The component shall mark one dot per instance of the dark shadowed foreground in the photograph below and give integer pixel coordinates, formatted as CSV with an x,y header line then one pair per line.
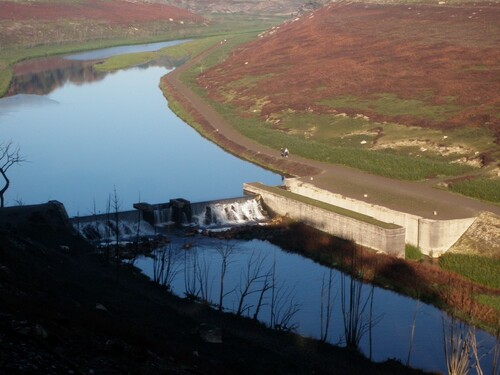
x,y
64,310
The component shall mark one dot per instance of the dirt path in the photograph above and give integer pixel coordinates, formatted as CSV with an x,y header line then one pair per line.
x,y
413,197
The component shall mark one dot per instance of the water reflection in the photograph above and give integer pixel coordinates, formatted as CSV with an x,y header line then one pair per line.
x,y
285,290
43,76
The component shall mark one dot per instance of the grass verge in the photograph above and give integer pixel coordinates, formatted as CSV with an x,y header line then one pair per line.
x,y
483,270
480,188
489,300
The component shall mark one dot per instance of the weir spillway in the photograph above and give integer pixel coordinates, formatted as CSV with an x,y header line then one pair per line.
x,y
151,219
223,212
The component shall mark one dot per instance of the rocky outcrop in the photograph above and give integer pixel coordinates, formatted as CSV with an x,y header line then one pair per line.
x,y
482,237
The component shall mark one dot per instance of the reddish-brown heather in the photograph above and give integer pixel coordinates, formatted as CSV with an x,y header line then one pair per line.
x,y
113,11
425,52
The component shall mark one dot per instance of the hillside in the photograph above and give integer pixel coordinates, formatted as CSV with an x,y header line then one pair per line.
x,y
27,23
419,81
277,7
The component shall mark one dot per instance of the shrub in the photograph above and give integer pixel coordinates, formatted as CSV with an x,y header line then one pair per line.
x,y
413,253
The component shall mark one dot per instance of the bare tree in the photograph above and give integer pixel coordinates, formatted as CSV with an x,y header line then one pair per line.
x,y
412,333
266,285
165,266
116,207
191,288
457,345
326,305
202,274
357,311
225,251
285,307
107,235
250,277
9,156
496,353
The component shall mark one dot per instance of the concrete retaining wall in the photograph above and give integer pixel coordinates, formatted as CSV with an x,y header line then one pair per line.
x,y
389,240
432,237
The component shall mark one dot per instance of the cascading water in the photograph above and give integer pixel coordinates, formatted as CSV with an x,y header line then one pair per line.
x,y
229,213
102,229
158,219
162,216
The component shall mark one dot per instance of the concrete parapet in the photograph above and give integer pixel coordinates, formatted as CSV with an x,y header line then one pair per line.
x,y
431,236
349,225
437,236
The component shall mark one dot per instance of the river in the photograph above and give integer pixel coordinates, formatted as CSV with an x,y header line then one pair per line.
x,y
90,133
86,135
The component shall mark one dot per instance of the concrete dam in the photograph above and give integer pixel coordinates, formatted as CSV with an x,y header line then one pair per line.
x,y
152,219
369,225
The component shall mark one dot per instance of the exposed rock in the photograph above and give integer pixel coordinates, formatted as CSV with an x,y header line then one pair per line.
x,y
482,237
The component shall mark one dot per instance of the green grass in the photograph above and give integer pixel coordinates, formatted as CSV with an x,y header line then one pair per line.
x,y
342,151
390,105
413,253
376,162
326,206
483,270
178,52
480,188
489,300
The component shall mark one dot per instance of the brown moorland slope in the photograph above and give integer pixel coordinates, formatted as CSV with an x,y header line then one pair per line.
x,y
116,11
32,23
285,7
349,53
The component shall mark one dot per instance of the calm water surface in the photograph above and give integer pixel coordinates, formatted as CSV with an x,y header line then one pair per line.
x,y
90,133
83,139
300,279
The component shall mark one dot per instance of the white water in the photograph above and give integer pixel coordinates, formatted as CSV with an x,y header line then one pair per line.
x,y
228,214
104,231
103,228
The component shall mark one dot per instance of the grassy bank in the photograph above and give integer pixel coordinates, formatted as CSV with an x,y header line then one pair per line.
x,y
218,28
340,151
480,188
483,270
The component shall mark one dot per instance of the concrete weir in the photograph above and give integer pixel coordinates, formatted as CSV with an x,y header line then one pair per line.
x,y
433,237
340,222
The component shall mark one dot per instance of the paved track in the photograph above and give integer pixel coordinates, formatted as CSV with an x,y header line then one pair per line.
x,y
413,197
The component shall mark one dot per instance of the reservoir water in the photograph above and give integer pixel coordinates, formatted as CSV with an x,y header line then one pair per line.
x,y
85,134
93,133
